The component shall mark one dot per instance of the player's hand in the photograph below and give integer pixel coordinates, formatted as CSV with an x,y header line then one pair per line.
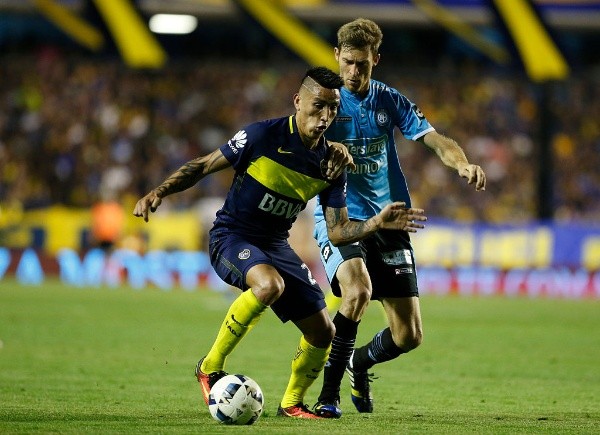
x,y
338,158
149,202
396,216
473,174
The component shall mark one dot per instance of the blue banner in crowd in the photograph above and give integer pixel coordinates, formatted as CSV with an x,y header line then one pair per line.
x,y
536,260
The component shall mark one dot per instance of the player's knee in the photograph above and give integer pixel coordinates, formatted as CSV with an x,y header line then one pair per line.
x,y
330,332
355,282
322,336
358,295
408,340
413,340
269,288
356,292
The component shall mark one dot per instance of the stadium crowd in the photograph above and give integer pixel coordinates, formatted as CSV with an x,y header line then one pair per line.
x,y
74,131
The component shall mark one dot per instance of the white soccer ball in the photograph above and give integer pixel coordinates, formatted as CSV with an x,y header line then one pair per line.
x,y
235,399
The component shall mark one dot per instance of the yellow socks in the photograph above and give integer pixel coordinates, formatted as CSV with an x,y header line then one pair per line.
x,y
242,315
306,366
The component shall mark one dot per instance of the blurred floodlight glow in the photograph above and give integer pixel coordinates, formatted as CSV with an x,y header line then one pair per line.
x,y
173,24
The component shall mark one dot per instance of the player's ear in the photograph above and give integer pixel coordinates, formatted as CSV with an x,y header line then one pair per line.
x,y
336,54
297,101
376,59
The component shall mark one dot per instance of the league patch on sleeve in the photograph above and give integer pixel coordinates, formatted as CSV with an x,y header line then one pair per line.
x,y
417,111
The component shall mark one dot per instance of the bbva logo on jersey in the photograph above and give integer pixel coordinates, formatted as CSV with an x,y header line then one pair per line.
x,y
279,207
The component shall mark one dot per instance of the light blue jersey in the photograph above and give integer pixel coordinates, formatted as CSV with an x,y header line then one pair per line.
x,y
366,127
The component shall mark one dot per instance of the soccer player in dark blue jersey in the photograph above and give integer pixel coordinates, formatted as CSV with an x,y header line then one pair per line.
x,y
279,164
380,267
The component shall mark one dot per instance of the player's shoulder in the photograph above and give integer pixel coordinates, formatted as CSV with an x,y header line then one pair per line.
x,y
388,96
380,89
269,124
266,127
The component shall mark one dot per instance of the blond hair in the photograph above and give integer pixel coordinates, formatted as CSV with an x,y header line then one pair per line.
x,y
360,33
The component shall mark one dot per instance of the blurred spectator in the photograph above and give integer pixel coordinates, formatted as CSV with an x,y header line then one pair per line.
x,y
108,219
72,130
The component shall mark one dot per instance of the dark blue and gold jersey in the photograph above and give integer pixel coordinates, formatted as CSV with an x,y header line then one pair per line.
x,y
275,176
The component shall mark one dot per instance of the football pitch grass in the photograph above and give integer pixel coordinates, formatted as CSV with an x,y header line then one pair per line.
x,y
100,360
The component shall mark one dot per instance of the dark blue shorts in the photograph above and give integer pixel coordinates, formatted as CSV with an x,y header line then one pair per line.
x,y
232,256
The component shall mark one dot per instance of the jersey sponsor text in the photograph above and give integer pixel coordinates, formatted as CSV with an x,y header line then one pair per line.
x,y
279,207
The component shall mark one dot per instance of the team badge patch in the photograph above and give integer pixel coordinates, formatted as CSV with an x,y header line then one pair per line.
x,y
323,166
244,255
382,118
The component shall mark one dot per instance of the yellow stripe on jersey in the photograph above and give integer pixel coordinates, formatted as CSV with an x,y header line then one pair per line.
x,y
291,123
284,180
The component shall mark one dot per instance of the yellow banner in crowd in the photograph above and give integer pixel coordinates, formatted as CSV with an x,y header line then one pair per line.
x,y
440,244
57,227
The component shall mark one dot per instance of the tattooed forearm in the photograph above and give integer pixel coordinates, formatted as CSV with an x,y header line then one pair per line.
x,y
184,178
189,174
354,231
345,231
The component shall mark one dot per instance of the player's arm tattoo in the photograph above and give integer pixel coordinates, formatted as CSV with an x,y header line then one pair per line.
x,y
332,217
347,231
191,172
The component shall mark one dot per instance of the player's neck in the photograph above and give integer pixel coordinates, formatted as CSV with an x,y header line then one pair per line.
x,y
307,141
362,93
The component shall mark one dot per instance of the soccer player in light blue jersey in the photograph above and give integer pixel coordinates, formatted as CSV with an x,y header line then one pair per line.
x,y
280,164
382,266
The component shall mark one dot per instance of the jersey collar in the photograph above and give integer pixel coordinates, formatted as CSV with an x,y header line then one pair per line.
x,y
353,95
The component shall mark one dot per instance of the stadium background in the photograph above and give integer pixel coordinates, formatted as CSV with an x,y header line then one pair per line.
x,y
95,110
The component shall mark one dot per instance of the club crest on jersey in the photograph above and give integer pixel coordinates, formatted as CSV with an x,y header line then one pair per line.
x,y
238,141
244,255
382,118
323,166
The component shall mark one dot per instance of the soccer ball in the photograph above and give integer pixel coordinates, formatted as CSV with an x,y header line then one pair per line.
x,y
235,399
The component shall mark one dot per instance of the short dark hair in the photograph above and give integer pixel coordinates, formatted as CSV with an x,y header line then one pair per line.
x,y
324,77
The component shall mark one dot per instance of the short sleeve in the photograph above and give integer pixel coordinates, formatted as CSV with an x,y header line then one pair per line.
x,y
240,148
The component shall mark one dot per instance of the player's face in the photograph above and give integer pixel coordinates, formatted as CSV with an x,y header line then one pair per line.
x,y
356,66
315,109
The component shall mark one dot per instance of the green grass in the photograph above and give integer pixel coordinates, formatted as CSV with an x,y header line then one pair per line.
x,y
121,361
